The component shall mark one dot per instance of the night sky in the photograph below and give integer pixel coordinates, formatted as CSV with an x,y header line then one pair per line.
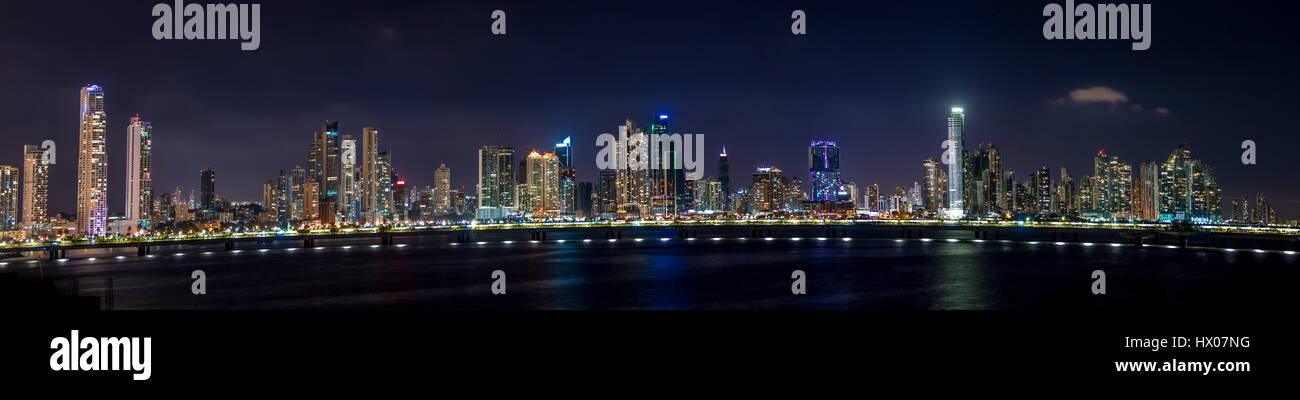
x,y
877,77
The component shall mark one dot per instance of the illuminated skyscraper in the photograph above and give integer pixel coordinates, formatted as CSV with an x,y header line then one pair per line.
x,y
667,181
1066,194
36,175
324,169
1146,192
824,170
768,190
442,190
1043,191
1189,190
873,198
92,164
496,182
724,178
1112,185
607,194
957,147
208,189
385,202
634,186
933,188
139,164
567,185
544,185
9,198
369,176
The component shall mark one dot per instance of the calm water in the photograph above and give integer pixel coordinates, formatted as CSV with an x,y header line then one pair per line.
x,y
872,271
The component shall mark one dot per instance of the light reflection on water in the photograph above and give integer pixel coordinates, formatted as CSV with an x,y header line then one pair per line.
x,y
681,274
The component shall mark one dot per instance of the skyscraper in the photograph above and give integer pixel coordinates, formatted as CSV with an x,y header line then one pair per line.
x,y
1043,191
1112,185
36,175
1189,190
139,164
9,198
824,170
634,186
368,156
544,185
957,147
567,185
607,194
934,188
208,189
1146,192
385,203
92,164
442,190
496,182
583,196
724,178
668,183
324,169
873,197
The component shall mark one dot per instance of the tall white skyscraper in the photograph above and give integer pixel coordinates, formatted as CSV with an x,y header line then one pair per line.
x,y
139,160
92,164
957,145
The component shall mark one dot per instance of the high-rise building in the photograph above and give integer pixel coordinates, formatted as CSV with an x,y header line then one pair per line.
x,y
9,198
607,194
385,202
773,192
634,185
724,178
567,185
401,197
667,182
583,200
1066,194
933,192
442,190
208,189
1043,191
368,180
1188,189
496,182
873,198
36,178
1112,185
139,164
824,170
324,168
957,147
92,164
1146,192
544,185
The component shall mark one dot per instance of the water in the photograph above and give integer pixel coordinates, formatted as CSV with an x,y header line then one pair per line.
x,y
872,271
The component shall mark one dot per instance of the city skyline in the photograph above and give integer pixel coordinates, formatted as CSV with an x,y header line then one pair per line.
x,y
336,190
883,128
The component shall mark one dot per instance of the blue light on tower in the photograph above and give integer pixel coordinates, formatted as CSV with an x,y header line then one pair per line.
x,y
663,116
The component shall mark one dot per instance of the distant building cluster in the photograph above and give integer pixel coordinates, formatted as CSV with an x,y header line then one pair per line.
x,y
349,180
